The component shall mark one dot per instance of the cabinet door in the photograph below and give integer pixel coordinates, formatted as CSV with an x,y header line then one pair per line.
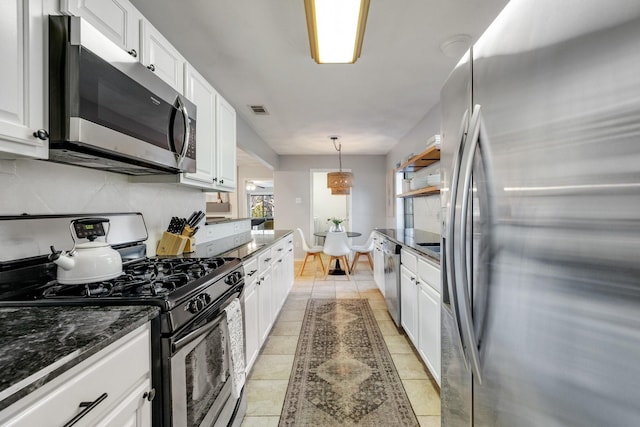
x,y
225,145
429,328
277,287
133,411
408,303
251,324
116,19
264,301
22,77
161,57
378,266
203,95
288,266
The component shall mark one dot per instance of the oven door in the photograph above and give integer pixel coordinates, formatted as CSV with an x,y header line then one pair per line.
x,y
200,371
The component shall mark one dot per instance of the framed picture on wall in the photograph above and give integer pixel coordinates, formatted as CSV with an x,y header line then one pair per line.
x,y
390,193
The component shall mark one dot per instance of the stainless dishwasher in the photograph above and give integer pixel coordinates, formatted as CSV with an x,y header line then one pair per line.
x,y
392,278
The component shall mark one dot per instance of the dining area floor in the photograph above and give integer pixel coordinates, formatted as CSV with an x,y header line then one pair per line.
x,y
268,380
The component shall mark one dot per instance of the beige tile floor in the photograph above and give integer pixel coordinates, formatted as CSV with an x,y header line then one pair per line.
x,y
269,377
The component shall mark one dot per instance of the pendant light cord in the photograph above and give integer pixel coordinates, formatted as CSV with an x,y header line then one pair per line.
x,y
338,149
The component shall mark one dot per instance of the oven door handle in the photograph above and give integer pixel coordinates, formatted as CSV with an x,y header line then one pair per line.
x,y
176,346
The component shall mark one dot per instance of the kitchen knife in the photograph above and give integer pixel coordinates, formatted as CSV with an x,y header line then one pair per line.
x,y
198,218
192,217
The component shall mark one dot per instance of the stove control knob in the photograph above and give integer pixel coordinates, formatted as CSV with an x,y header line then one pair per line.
x,y
206,298
196,305
232,278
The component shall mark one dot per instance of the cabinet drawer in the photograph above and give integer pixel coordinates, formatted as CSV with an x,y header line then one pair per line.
x,y
264,260
278,250
250,269
114,371
429,273
409,259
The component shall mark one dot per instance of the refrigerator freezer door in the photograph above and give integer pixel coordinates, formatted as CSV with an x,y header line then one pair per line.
x,y
456,380
560,102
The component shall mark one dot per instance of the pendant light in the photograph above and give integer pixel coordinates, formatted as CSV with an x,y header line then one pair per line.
x,y
339,182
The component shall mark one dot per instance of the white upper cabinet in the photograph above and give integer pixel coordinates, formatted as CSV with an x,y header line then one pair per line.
x,y
159,56
22,81
225,178
198,90
116,19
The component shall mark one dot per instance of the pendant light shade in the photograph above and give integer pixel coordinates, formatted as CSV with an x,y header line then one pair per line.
x,y
339,182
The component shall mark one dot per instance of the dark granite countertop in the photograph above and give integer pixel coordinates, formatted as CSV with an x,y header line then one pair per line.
x,y
243,245
410,237
37,344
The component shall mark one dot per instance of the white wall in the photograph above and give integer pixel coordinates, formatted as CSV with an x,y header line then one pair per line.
x,y
292,180
426,209
37,187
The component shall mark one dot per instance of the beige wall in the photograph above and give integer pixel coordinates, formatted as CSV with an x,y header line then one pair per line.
x,y
292,184
426,209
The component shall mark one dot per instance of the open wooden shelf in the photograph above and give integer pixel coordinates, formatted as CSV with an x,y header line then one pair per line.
x,y
422,160
426,191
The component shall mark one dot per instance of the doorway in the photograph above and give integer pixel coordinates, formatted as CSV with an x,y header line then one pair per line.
x,y
324,205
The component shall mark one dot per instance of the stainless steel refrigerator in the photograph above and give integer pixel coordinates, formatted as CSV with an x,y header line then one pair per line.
x,y
541,211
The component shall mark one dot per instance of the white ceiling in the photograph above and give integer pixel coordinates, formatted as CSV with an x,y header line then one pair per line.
x,y
256,52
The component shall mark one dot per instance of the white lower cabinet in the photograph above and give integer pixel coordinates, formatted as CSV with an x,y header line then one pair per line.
x,y
429,328
268,279
116,382
409,303
251,313
420,307
378,262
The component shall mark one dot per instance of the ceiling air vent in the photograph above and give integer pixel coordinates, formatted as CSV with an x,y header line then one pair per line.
x,y
260,110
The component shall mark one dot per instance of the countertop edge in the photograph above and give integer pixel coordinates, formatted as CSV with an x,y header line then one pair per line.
x,y
409,242
79,355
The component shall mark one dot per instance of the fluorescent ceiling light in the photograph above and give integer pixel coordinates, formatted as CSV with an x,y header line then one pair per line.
x,y
336,29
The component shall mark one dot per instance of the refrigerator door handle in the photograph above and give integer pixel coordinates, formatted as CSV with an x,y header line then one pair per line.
x,y
450,235
462,274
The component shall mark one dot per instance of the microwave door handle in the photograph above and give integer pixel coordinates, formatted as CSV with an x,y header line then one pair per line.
x,y
187,130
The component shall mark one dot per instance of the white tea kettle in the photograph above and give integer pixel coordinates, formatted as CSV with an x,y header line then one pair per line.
x,y
88,262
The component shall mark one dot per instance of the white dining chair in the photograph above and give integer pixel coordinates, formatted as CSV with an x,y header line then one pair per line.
x,y
365,250
336,246
310,251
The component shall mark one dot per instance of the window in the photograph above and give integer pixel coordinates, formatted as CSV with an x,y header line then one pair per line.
x,y
261,205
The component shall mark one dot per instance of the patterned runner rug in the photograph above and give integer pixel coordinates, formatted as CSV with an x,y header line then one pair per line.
x,y
343,374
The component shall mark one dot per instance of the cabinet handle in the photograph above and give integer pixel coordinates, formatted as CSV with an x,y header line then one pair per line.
x,y
215,179
149,395
41,134
151,67
88,407
251,273
222,181
279,249
133,53
267,259
413,279
280,260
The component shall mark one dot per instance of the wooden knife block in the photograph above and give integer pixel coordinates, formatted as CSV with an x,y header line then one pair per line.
x,y
172,244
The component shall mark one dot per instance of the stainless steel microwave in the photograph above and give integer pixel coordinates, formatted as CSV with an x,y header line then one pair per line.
x,y
107,111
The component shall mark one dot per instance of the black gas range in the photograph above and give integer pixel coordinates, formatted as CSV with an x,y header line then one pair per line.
x,y
181,287
192,294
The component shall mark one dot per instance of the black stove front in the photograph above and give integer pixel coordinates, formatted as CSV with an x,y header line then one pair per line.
x,y
181,287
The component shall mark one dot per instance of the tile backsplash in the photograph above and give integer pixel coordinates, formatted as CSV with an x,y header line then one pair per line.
x,y
38,187
426,214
